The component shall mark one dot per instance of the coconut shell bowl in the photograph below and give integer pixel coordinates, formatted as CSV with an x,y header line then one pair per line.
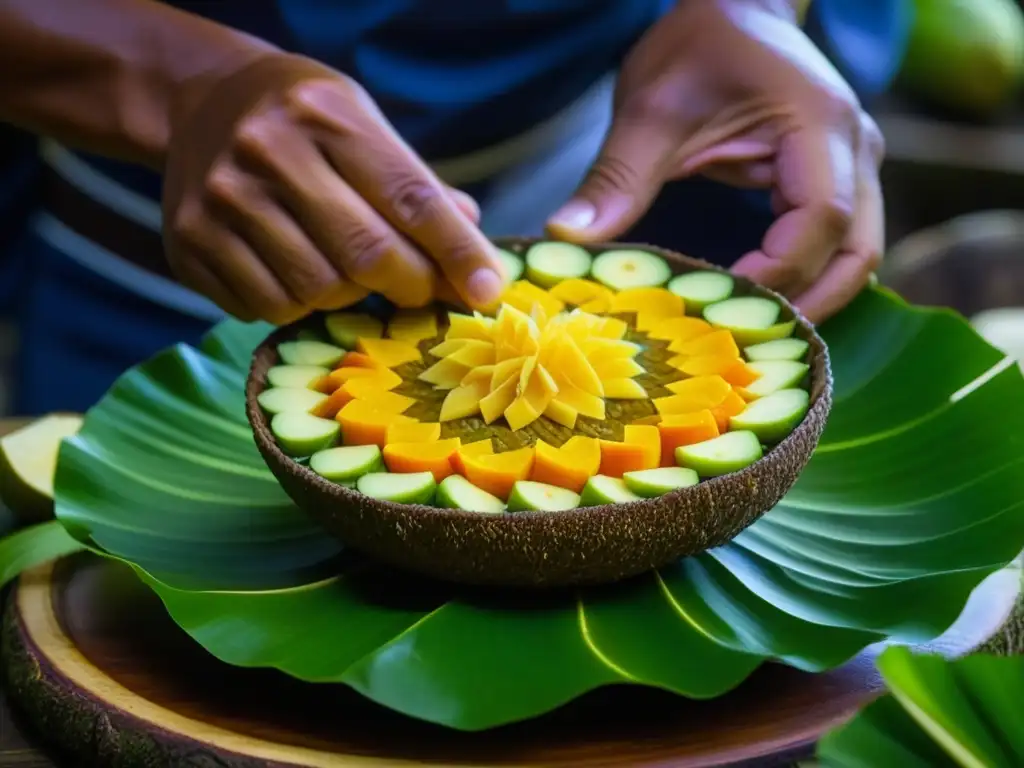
x,y
623,406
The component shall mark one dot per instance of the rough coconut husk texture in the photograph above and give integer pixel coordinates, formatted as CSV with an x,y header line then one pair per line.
x,y
588,545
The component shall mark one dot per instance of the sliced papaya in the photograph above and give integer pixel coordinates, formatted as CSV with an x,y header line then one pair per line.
x,y
569,466
389,352
721,343
647,436
732,405
363,424
434,457
679,329
685,429
496,473
702,365
416,432
476,448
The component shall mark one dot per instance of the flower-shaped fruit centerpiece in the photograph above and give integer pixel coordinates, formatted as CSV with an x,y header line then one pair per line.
x,y
620,407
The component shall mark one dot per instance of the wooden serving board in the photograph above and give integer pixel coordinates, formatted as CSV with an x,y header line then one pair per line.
x,y
97,666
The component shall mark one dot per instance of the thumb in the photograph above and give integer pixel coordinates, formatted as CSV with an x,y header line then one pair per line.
x,y
621,184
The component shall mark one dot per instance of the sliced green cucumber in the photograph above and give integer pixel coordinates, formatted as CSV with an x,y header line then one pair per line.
x,y
398,487
750,319
602,489
720,455
548,264
530,496
301,434
513,264
657,482
289,400
624,269
456,492
310,353
701,288
774,375
346,328
295,376
346,463
779,349
774,416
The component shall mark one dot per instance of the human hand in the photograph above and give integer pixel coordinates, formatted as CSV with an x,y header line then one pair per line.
x,y
734,90
287,191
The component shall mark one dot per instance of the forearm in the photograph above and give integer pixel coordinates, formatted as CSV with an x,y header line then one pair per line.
x,y
107,75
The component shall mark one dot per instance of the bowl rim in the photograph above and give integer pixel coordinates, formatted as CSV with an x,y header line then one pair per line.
x,y
266,356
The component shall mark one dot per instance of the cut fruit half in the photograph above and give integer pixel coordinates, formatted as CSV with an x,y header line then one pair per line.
x,y
548,264
346,464
780,349
28,461
773,417
302,434
290,400
412,488
721,455
698,289
601,489
513,265
750,319
624,269
296,376
456,492
346,328
530,496
774,375
657,482
310,353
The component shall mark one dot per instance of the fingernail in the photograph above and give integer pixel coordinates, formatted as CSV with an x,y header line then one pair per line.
x,y
576,214
484,287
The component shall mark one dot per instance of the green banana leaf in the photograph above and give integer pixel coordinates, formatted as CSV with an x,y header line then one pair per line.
x,y
915,495
962,714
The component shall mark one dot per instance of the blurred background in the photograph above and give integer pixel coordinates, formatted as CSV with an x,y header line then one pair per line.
x,y
945,81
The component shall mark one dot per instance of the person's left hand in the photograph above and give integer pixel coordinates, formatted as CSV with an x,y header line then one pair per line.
x,y
734,90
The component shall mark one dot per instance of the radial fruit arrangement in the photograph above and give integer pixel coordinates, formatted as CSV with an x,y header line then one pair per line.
x,y
594,380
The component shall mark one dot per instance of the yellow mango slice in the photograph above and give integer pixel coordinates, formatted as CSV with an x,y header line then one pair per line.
x,y
658,302
560,413
474,353
444,374
714,343
388,352
578,291
468,327
624,389
498,400
582,402
413,325
448,346
413,432
616,368
463,401
679,328
389,402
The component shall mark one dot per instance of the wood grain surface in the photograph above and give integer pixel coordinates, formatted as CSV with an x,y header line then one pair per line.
x,y
93,660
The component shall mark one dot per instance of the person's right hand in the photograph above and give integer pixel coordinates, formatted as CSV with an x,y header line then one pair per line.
x,y
287,191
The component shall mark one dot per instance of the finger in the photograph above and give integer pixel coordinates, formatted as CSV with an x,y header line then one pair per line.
x,y
192,273
465,203
622,183
343,226
276,239
816,182
382,168
861,252
229,258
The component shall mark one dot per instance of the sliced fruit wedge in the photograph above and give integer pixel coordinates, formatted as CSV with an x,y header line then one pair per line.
x,y
622,269
296,376
780,349
310,353
434,457
774,375
549,263
685,429
413,325
721,455
28,461
290,399
751,319
601,489
414,432
496,473
657,482
413,488
346,464
531,496
302,434
513,264
346,328
698,289
390,353
456,492
774,416
568,466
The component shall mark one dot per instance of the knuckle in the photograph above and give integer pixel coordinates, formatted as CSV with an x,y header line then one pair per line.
x,y
609,174
256,135
835,216
224,185
370,253
656,104
416,201
188,228
842,109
